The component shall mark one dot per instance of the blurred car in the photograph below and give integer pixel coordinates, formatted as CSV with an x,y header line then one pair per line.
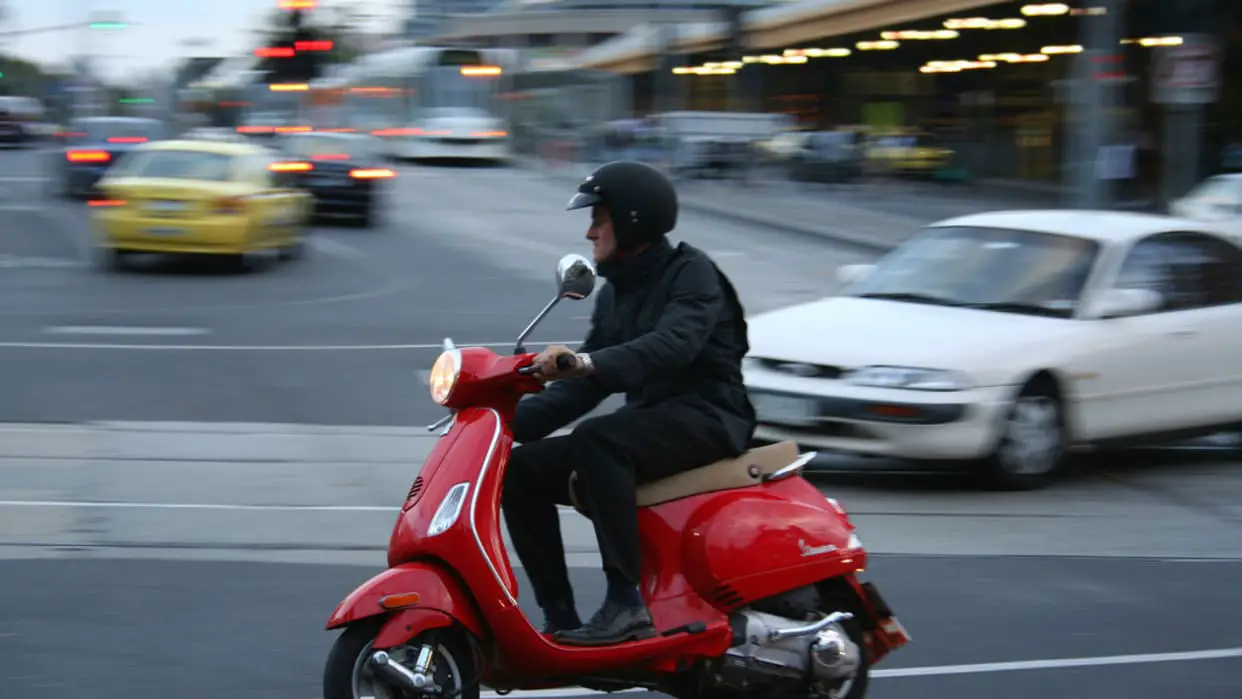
x,y
829,157
916,154
210,133
1007,338
93,144
1217,198
200,197
21,120
344,171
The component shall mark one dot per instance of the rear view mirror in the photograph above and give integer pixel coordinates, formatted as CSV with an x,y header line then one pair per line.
x,y
575,277
854,273
1119,303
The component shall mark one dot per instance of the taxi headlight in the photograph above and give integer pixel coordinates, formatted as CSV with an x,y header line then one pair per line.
x,y
444,375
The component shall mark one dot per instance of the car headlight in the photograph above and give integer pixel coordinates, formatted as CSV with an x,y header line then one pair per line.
x,y
911,378
444,374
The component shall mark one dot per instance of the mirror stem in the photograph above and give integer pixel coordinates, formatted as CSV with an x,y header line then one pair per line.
x,y
520,348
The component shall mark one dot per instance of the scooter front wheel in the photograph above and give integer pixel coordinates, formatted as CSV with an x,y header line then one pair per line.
x,y
443,661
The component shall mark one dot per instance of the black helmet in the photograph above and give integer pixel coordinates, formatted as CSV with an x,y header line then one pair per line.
x,y
641,199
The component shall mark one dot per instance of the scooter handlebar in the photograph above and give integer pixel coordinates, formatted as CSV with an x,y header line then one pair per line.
x,y
563,362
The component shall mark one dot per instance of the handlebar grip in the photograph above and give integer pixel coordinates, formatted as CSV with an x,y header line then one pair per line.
x,y
566,361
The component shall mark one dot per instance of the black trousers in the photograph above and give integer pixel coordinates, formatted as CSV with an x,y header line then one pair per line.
x,y
612,454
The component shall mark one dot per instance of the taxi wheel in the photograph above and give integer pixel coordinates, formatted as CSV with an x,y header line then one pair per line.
x,y
293,251
111,259
254,261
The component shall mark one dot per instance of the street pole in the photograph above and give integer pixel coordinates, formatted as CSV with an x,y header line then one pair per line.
x,y
1097,117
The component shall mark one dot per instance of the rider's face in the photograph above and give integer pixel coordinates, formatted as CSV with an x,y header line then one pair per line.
x,y
600,233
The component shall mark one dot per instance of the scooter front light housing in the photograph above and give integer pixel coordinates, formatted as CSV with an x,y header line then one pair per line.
x,y
449,510
444,375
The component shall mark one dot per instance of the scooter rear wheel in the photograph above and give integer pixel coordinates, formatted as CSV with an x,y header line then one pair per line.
x,y
348,673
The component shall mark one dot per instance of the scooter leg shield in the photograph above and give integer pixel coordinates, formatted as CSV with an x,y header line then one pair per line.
x,y
423,586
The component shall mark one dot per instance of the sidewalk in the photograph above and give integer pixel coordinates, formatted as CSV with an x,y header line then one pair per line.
x,y
874,216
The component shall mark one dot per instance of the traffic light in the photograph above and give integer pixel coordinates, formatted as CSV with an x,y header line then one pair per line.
x,y
108,25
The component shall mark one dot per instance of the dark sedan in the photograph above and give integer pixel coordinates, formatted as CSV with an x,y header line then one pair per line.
x,y
343,171
94,144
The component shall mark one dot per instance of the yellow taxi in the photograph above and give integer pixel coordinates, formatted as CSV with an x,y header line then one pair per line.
x,y
200,197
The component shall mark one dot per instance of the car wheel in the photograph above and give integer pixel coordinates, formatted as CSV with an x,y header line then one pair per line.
x,y
1033,439
293,251
111,259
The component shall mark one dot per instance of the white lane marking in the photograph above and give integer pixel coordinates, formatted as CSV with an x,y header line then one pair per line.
x,y
1060,663
333,247
940,670
119,505
121,330
83,504
260,348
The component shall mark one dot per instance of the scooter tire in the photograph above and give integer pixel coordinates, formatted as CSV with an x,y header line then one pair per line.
x,y
858,690
355,641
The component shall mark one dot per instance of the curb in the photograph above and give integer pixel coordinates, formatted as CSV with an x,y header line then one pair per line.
x,y
761,220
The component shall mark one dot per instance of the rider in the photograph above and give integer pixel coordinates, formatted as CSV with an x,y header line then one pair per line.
x,y
669,332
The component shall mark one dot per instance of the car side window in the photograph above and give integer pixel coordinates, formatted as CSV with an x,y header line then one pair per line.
x,y
1221,268
1181,267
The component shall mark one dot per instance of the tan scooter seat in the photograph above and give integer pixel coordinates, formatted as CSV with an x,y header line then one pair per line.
x,y
745,470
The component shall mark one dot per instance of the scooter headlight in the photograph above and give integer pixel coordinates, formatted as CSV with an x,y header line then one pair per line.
x,y
444,375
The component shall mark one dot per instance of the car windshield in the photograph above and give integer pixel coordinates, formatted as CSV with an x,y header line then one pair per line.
x,y
342,147
1010,271
180,165
1217,191
102,130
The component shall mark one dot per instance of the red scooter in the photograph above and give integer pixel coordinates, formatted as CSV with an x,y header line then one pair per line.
x,y
748,570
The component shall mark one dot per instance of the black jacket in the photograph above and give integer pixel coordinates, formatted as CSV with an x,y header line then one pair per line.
x,y
668,326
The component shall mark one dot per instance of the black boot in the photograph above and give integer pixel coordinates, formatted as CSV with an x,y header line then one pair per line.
x,y
615,622
560,617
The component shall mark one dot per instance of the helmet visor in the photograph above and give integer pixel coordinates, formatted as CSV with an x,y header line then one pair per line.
x,y
582,200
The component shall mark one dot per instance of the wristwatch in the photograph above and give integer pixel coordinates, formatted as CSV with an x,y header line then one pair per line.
x,y
586,361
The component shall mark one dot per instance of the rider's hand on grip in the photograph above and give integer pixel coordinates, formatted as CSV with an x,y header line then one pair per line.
x,y
558,362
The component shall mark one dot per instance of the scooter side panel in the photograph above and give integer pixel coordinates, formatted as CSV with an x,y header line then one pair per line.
x,y
437,588
756,542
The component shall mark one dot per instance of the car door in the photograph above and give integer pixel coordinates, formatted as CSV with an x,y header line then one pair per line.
x,y
281,203
1219,380
1146,373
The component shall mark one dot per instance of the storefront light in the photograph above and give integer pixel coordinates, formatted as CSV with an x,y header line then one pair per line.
x,y
1058,50
983,23
887,45
1046,10
1154,41
1013,57
919,35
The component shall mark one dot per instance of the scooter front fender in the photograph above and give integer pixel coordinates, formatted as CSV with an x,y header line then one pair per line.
x,y
441,600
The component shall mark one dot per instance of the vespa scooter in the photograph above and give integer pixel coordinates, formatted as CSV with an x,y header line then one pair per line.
x,y
750,573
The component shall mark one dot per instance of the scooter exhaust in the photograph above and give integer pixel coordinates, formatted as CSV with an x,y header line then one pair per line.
x,y
394,671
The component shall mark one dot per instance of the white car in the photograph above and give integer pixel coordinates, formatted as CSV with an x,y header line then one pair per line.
x,y
1008,338
1217,199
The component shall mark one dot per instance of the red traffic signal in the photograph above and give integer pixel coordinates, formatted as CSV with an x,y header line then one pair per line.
x,y
313,45
275,52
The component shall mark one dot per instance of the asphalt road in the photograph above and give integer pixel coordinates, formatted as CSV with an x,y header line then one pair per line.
x,y
146,629
338,338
